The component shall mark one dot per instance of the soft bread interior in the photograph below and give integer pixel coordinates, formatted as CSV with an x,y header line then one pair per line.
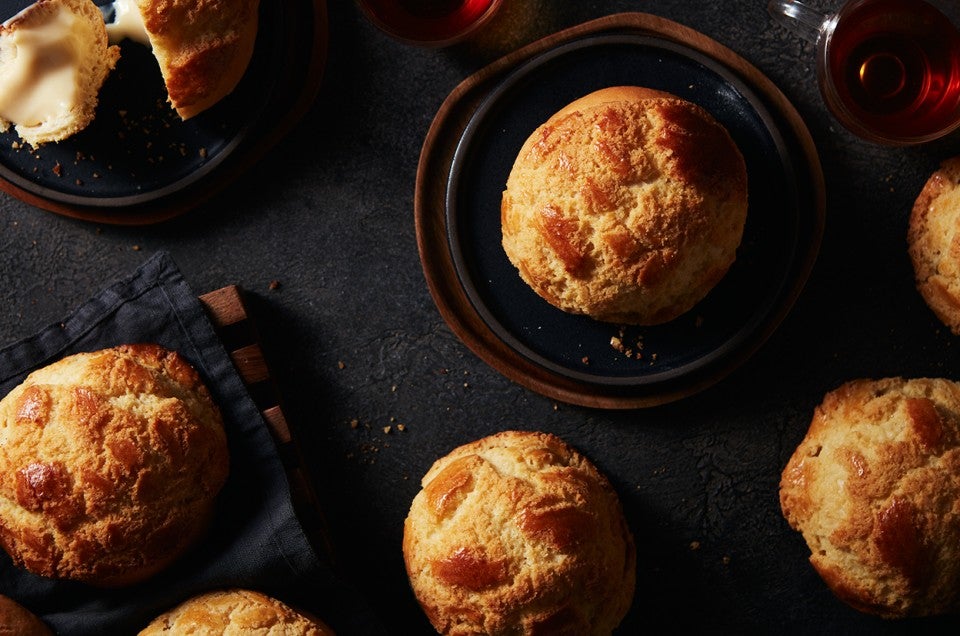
x,y
203,47
54,57
56,54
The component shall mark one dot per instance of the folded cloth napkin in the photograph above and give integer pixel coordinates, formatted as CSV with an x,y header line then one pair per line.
x,y
256,540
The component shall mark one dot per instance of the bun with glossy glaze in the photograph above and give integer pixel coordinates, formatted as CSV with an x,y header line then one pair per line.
x,y
235,611
933,244
518,533
110,463
17,620
874,487
628,205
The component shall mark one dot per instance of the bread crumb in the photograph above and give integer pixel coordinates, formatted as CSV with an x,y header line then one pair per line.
x,y
274,285
401,427
632,348
354,423
341,365
387,429
694,545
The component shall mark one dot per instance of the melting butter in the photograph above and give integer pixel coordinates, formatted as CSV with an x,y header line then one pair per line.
x,y
40,81
127,23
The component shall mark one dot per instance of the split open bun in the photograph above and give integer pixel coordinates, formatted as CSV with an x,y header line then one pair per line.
x,y
203,47
56,54
49,91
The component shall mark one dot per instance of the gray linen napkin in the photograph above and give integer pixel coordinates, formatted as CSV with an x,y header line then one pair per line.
x,y
256,540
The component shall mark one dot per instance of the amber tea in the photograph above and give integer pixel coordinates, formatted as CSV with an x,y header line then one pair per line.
x,y
430,22
889,70
895,65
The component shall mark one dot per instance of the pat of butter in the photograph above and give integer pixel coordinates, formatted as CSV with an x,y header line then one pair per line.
x,y
127,23
40,82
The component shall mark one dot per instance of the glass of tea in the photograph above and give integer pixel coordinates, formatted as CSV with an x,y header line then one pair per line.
x,y
429,22
889,70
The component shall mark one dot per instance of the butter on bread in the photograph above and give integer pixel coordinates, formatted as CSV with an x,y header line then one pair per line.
x,y
627,205
874,488
235,611
56,54
203,47
54,57
518,533
110,464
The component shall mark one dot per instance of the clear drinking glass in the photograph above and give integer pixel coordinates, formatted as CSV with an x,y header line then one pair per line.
x,y
429,22
888,70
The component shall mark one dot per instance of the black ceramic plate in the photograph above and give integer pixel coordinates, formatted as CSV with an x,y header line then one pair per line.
x,y
730,322
137,150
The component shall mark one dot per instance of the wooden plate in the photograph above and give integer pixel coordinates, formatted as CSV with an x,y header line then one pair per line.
x,y
464,165
138,163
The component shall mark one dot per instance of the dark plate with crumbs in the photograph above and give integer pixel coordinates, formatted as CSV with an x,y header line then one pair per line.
x,y
576,358
138,162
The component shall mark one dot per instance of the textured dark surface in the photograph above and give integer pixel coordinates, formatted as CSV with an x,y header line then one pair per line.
x,y
321,235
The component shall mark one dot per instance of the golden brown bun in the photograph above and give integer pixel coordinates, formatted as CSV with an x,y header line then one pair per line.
x,y
627,205
203,47
109,465
934,245
94,62
874,488
519,534
235,612
17,620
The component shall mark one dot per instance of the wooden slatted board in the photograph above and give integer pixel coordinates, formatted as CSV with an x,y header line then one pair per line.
x,y
239,334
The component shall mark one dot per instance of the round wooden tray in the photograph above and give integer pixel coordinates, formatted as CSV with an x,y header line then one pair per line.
x,y
138,164
459,246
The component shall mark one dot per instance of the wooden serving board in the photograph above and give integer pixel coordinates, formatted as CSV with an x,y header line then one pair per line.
x,y
240,337
430,201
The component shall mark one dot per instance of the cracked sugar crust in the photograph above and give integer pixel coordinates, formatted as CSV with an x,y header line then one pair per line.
x,y
235,612
933,240
628,205
110,462
517,533
874,488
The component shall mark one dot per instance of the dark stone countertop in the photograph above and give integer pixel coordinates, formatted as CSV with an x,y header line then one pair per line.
x,y
358,345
